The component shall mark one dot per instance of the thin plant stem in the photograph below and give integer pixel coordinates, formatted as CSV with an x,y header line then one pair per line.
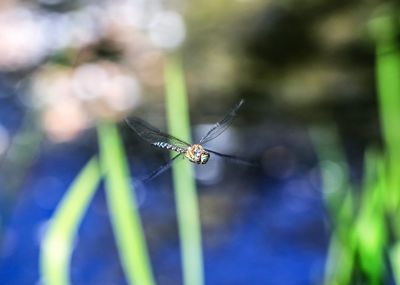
x,y
184,184
123,207
58,243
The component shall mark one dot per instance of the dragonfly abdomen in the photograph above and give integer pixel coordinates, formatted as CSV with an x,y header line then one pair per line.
x,y
169,147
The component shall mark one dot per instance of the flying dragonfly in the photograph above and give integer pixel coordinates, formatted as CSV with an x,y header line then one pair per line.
x,y
195,153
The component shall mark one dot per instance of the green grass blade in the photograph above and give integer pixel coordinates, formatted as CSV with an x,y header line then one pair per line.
x,y
370,227
385,31
339,199
185,188
387,76
57,245
340,262
394,256
122,205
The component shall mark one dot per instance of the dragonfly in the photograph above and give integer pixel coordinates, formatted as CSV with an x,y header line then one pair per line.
x,y
195,153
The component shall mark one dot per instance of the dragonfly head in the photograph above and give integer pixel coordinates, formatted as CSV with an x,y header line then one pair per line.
x,y
197,154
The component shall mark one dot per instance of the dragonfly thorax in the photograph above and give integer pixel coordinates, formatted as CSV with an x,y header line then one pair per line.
x,y
196,153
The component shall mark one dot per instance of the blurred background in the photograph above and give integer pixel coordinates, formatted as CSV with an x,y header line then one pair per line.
x,y
321,118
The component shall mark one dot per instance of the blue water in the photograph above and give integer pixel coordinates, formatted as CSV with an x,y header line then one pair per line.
x,y
268,230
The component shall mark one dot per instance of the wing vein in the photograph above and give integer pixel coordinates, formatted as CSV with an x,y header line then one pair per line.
x,y
222,125
155,137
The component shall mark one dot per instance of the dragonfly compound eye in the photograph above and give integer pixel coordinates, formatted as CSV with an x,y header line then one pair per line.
x,y
204,157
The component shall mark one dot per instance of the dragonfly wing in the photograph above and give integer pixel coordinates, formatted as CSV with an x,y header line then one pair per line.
x,y
234,158
161,169
154,136
222,125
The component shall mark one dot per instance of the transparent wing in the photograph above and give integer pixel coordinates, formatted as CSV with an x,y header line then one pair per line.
x,y
161,169
235,158
154,136
222,125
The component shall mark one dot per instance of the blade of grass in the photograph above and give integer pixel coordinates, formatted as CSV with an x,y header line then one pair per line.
x,y
370,226
385,31
394,256
339,199
387,76
57,245
340,261
185,188
122,205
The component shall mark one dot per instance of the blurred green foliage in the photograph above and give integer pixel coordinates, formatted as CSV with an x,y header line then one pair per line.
x,y
364,221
